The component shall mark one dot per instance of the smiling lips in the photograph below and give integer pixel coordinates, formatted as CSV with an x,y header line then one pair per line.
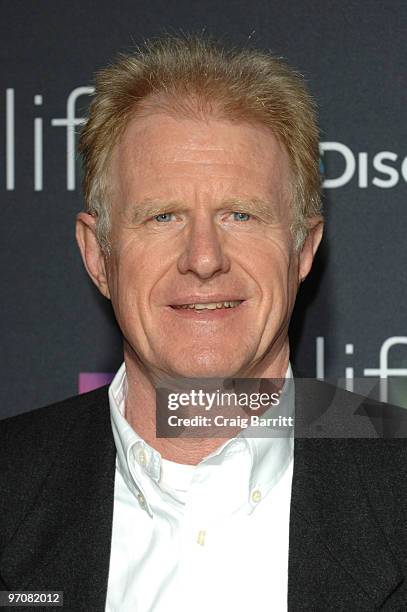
x,y
209,305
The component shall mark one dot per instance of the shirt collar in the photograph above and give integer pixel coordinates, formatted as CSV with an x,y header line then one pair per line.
x,y
270,452
140,464
136,460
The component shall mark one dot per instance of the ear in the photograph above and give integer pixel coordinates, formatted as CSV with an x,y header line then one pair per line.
x,y
310,246
92,254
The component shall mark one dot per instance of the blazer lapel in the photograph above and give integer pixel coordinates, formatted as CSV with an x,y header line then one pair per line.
x,y
339,557
64,542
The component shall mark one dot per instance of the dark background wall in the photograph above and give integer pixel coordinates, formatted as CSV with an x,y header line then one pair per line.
x,y
353,54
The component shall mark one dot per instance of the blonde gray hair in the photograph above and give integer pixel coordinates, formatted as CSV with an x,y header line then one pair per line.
x,y
198,76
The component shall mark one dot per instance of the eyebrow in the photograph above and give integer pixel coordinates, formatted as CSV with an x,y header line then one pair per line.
x,y
254,206
140,211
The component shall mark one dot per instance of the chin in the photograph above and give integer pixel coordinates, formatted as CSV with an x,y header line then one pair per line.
x,y
206,366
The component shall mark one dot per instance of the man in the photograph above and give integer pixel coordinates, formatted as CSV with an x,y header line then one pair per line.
x,y
203,218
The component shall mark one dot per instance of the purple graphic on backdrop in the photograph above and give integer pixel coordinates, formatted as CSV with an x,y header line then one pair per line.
x,y
88,381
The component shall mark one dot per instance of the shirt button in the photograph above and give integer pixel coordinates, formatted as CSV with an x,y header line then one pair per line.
x,y
201,537
141,500
256,496
142,459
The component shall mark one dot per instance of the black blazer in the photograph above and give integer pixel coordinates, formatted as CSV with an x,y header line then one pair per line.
x,y
348,519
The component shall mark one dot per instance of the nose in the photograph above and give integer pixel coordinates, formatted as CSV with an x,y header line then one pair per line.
x,y
203,253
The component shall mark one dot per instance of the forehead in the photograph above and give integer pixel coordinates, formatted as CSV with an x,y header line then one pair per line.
x,y
163,152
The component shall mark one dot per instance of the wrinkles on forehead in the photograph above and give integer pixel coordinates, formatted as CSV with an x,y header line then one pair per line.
x,y
163,162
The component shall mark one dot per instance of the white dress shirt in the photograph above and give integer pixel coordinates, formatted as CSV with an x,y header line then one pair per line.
x,y
211,537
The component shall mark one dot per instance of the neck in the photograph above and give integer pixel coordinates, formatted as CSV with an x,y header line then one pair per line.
x,y
140,410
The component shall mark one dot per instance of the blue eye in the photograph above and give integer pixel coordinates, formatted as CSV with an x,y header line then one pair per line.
x,y
239,216
163,218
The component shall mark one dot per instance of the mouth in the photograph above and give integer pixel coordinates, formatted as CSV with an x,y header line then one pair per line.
x,y
206,311
208,305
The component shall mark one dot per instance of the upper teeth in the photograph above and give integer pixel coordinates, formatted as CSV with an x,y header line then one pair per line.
x,y
211,305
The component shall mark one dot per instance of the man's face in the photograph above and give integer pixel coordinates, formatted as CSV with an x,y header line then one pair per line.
x,y
202,273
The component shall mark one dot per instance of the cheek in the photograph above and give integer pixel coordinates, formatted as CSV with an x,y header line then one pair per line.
x,y
134,274
125,285
270,264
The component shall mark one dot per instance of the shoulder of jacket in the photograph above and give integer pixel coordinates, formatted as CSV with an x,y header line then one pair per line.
x,y
42,429
32,443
